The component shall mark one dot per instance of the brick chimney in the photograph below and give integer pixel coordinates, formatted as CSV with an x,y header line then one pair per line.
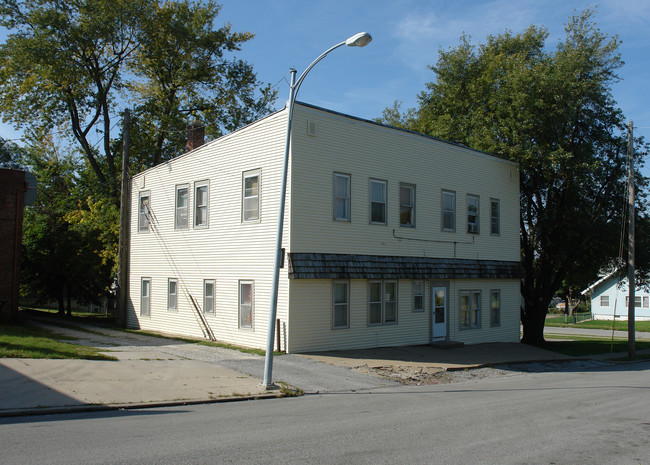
x,y
195,135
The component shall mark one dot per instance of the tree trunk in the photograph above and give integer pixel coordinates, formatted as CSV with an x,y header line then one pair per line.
x,y
533,319
61,301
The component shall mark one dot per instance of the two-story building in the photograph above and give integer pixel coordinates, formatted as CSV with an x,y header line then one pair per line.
x,y
391,238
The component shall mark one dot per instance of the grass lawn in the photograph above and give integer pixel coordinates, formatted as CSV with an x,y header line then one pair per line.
x,y
26,341
558,321
579,346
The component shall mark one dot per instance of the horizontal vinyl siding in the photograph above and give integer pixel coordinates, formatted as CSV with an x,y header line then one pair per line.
x,y
311,316
366,150
227,251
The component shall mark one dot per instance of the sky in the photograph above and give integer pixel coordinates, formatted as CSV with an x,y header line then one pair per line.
x,y
407,35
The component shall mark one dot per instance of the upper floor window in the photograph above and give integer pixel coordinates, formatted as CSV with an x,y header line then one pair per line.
x,y
448,211
181,207
470,309
382,302
144,212
251,196
406,205
472,214
341,197
377,201
495,217
201,198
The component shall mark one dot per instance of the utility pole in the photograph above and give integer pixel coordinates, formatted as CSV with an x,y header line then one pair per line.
x,y
630,251
122,267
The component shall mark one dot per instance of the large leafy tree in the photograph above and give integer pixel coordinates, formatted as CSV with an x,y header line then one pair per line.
x,y
72,62
552,111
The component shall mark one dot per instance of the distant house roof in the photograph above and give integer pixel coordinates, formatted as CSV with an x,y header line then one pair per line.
x,y
352,266
601,280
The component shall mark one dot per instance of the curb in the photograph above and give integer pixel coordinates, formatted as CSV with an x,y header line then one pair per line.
x,y
134,406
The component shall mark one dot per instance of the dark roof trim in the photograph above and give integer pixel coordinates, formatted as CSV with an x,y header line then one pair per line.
x,y
349,266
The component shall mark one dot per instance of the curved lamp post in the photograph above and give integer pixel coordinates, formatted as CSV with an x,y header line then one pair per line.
x,y
358,40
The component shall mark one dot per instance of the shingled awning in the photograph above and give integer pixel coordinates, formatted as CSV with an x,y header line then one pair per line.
x,y
351,266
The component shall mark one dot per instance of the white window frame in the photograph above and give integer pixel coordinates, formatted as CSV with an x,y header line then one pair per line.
x,y
448,213
383,202
256,217
495,217
418,295
495,308
144,211
209,300
346,198
172,297
646,301
410,206
637,301
180,210
469,318
383,302
145,299
604,301
473,218
246,308
200,207
338,306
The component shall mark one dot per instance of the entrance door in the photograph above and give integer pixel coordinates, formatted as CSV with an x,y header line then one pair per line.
x,y
439,315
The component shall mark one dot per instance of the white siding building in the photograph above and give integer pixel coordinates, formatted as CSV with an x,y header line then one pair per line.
x,y
610,299
391,238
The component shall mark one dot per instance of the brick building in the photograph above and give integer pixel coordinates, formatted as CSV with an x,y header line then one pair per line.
x,y
13,186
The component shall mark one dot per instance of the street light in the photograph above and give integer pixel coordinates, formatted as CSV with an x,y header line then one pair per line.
x,y
358,40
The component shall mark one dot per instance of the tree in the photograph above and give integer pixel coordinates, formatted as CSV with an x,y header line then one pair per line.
x,y
10,154
71,61
553,113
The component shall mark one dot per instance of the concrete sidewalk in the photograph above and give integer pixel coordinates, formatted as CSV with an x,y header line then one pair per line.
x,y
154,371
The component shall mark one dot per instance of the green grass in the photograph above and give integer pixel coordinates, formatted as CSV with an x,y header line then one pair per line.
x,y
558,321
26,341
579,346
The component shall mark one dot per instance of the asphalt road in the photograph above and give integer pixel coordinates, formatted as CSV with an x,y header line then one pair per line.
x,y
572,416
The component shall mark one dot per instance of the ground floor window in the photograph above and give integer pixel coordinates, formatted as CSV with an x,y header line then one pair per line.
x,y
382,302
208,296
145,297
246,304
495,308
604,301
470,309
341,304
172,294
418,296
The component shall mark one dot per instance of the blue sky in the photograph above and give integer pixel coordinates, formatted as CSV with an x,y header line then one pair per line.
x,y
407,35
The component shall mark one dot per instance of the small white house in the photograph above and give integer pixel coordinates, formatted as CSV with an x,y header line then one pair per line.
x,y
391,238
610,298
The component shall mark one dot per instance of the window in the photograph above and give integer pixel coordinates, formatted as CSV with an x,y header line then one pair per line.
x,y
208,296
470,309
144,212
201,194
341,299
495,308
145,297
495,217
172,294
251,196
341,197
406,205
604,301
637,301
181,207
472,214
645,301
246,301
382,302
418,296
377,201
448,211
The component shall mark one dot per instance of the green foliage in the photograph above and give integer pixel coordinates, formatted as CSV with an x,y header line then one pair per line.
x,y
10,154
553,113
